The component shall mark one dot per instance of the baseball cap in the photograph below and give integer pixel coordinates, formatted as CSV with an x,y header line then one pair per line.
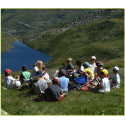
x,y
86,64
104,71
39,73
56,79
69,59
115,68
93,57
62,72
8,71
99,63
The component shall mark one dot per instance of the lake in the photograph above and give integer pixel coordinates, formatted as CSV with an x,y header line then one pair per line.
x,y
20,55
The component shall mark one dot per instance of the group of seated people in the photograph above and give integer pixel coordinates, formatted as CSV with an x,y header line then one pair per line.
x,y
88,76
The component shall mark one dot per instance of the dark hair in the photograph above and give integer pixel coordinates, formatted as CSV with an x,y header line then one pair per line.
x,y
116,71
62,72
24,68
79,62
101,72
54,82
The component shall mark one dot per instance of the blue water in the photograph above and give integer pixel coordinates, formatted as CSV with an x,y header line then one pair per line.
x,y
20,55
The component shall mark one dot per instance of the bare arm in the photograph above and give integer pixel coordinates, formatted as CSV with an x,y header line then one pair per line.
x,y
17,77
70,70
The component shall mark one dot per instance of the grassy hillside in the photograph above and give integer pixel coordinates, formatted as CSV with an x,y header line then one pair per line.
x,y
24,22
16,102
103,38
6,41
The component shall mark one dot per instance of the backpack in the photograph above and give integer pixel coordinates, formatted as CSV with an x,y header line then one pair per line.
x,y
82,80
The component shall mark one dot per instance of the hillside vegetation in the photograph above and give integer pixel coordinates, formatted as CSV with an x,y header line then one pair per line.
x,y
103,38
6,41
99,33
24,22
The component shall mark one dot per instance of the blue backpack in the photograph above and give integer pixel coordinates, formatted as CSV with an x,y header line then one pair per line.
x,y
82,80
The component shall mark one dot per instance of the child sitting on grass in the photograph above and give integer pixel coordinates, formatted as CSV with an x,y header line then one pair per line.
x,y
89,85
63,81
103,85
39,85
69,67
93,64
99,65
54,92
88,72
37,67
116,78
46,75
79,70
80,67
10,82
25,75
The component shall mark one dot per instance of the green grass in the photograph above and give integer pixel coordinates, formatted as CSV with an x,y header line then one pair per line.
x,y
16,102
104,39
6,41
36,18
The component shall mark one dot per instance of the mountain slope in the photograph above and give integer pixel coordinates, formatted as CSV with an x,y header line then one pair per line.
x,y
24,22
103,38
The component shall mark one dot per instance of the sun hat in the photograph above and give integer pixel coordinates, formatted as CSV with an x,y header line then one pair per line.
x,y
62,72
69,59
104,71
39,73
93,57
115,68
86,64
8,71
56,79
99,63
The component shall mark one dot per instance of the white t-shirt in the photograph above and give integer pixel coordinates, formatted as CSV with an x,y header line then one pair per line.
x,y
92,66
116,78
79,70
105,85
33,72
82,68
47,76
11,83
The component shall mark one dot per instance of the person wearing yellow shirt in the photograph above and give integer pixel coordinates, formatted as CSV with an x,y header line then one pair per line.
x,y
88,72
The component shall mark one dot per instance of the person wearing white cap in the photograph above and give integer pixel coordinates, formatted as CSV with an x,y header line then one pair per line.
x,y
116,78
93,64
